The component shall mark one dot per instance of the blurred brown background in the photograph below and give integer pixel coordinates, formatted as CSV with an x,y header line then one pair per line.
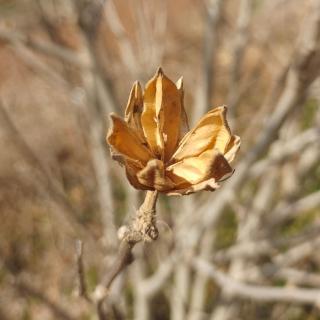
x,y
247,251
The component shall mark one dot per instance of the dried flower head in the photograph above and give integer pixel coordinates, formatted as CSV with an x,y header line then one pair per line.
x,y
158,151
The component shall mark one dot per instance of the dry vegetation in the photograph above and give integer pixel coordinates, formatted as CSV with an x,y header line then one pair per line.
x,y
247,251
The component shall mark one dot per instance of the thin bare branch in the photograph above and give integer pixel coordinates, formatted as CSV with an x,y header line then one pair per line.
x,y
47,48
297,253
57,310
82,285
240,42
283,150
289,210
210,43
255,292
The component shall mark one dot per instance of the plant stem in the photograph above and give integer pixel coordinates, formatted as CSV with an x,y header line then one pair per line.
x,y
142,228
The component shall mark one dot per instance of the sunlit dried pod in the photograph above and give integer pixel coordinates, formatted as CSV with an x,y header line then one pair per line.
x,y
159,152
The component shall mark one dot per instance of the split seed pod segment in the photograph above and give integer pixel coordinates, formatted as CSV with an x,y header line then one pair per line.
x,y
159,152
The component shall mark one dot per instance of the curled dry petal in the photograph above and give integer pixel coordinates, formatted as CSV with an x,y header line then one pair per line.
x,y
212,131
232,148
132,169
209,164
149,118
153,176
161,115
184,123
207,185
134,109
126,141
169,114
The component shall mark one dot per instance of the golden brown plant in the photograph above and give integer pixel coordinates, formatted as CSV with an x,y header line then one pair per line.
x,y
159,152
